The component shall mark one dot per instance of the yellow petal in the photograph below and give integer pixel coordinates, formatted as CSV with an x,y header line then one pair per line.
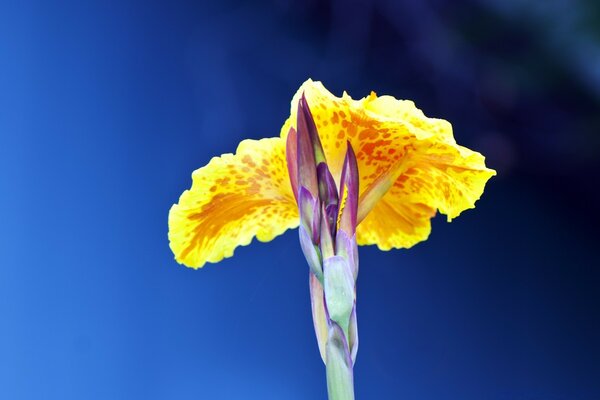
x,y
233,199
438,177
434,172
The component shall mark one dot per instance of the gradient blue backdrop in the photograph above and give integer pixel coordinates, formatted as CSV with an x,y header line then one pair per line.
x,y
106,107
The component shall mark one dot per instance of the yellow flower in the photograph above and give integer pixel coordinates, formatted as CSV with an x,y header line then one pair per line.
x,y
409,166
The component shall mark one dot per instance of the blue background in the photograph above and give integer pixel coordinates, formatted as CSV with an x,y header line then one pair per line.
x,y
106,107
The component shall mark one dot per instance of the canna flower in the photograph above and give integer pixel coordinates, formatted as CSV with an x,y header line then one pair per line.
x,y
346,172
237,197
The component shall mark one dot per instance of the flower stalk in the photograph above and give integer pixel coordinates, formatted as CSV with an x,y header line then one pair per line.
x,y
410,168
328,219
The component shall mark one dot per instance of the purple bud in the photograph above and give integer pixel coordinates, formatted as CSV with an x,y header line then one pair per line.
x,y
306,126
327,188
328,194
332,213
307,206
348,194
306,165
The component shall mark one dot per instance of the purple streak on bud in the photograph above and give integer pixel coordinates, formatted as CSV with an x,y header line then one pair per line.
x,y
326,242
319,313
353,335
311,253
347,213
306,126
291,156
346,247
307,203
316,222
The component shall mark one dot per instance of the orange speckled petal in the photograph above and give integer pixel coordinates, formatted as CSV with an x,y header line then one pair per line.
x,y
443,177
233,199
393,224
434,173
381,130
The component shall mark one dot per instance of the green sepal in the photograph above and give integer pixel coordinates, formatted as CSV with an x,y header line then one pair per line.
x,y
319,314
339,290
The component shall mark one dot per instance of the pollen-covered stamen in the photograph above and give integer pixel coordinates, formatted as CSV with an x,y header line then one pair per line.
x,y
342,205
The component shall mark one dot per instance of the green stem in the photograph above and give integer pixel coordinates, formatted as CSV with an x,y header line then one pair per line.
x,y
340,386
340,379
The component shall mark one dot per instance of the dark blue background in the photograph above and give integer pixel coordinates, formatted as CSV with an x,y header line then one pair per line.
x,y
106,107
